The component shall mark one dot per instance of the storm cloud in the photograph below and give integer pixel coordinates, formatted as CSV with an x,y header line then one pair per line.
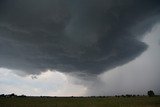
x,y
81,36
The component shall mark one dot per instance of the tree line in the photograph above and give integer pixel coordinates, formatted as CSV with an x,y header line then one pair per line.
x,y
11,95
149,93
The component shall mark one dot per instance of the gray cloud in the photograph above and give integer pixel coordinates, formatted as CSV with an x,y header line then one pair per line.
x,y
85,36
136,77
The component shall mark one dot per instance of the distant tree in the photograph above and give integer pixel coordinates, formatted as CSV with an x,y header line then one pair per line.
x,y
150,93
133,95
22,96
12,95
122,95
128,95
2,95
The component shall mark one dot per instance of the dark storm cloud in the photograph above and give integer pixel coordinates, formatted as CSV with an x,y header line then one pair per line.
x,y
86,36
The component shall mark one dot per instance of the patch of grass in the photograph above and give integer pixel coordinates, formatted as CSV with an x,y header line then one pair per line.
x,y
81,102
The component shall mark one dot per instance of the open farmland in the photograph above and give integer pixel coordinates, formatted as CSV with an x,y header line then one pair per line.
x,y
80,102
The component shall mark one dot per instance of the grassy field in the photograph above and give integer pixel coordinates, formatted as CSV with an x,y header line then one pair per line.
x,y
81,102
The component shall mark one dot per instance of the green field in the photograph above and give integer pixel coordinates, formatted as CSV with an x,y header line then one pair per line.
x,y
81,102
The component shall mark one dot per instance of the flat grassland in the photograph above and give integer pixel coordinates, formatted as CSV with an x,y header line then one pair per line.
x,y
81,102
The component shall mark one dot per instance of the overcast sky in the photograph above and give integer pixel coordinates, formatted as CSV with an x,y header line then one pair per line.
x,y
79,47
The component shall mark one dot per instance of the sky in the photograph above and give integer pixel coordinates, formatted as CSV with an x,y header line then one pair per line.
x,y
79,47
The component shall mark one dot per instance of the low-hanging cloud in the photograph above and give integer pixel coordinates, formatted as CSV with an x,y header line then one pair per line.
x,y
85,36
